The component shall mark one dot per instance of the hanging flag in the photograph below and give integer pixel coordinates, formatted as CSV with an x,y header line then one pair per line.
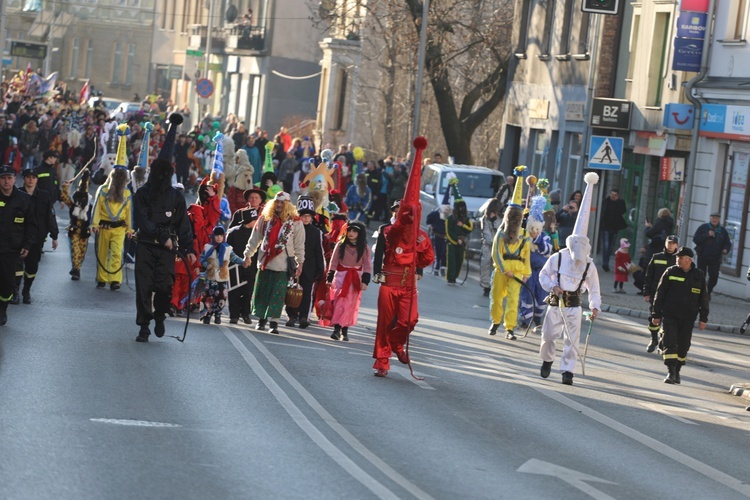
x,y
219,156
84,93
47,87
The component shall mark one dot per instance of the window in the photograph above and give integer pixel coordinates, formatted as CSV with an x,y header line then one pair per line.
x,y
341,105
75,50
116,63
565,41
574,162
89,56
735,210
549,16
172,14
583,33
634,32
131,63
523,34
163,17
657,58
738,10
540,151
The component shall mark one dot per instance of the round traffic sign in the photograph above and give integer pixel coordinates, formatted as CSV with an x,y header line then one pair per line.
x,y
204,87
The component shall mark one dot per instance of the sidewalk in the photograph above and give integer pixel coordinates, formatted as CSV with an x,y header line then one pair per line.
x,y
726,314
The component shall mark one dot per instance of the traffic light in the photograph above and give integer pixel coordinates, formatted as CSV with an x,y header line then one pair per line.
x,y
609,7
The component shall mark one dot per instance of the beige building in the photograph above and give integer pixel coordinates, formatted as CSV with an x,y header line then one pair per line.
x,y
107,42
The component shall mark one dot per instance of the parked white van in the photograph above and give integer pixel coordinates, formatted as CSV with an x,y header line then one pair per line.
x,y
476,185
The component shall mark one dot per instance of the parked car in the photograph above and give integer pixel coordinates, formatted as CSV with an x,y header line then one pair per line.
x,y
124,110
476,185
110,103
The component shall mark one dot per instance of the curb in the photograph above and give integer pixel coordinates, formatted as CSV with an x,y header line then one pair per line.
x,y
742,390
625,311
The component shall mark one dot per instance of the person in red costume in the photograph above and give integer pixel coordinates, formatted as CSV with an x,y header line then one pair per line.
x,y
402,251
204,216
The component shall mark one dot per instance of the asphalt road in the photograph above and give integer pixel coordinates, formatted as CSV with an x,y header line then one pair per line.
x,y
86,412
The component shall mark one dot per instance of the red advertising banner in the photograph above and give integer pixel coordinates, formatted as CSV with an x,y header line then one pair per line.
x,y
694,5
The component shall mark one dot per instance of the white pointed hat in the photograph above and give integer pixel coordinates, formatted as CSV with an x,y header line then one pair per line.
x,y
581,227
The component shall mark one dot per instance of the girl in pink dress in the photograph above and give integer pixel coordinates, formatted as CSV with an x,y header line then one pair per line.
x,y
349,272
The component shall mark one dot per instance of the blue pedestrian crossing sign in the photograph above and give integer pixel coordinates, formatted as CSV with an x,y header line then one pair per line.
x,y
605,152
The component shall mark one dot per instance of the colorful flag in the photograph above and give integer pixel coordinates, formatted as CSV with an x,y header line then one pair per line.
x,y
84,93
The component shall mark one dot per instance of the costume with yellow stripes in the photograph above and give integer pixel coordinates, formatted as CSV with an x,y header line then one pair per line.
x,y
112,216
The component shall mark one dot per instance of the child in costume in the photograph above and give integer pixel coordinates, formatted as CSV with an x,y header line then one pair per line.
x,y
349,272
490,223
511,257
622,265
458,226
533,295
436,222
216,258
80,215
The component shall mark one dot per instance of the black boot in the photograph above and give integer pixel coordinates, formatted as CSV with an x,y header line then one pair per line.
x,y
159,328
336,335
3,313
304,323
261,326
546,369
344,332
567,378
274,327
671,375
292,321
143,334
654,341
16,299
493,328
677,374
26,292
75,274
510,335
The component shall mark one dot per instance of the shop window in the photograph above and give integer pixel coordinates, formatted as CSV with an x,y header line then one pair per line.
x,y
735,211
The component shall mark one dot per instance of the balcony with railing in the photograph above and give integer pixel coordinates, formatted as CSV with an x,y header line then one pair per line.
x,y
198,38
245,39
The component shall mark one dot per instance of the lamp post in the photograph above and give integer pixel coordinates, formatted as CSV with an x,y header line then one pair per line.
x,y
420,68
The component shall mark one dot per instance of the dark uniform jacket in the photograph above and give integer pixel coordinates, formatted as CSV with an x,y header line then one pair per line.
x,y
314,266
18,228
162,218
656,267
47,180
681,294
44,210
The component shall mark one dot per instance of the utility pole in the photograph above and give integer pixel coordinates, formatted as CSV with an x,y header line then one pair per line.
x,y
420,68
209,36
3,35
48,59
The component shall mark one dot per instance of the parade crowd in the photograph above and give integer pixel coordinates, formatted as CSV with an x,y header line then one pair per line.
x,y
280,227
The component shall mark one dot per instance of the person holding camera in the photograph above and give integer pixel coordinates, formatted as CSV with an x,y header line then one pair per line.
x,y
566,220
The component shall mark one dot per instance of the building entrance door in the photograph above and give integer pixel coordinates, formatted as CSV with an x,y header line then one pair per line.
x,y
632,181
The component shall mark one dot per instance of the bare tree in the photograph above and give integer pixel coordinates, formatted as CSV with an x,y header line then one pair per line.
x,y
466,59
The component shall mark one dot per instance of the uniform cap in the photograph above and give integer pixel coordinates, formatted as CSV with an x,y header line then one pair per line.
x,y
685,252
7,170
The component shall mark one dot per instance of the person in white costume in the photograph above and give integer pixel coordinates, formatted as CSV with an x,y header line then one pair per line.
x,y
566,275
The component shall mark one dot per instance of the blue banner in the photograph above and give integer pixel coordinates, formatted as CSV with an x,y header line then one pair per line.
x,y
692,25
679,116
687,54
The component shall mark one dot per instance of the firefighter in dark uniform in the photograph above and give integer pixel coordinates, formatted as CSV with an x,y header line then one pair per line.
x,y
46,173
680,297
44,210
163,228
659,263
18,229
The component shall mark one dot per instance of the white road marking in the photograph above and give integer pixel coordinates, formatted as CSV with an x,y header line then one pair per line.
x,y
287,344
572,477
649,442
133,423
309,428
667,410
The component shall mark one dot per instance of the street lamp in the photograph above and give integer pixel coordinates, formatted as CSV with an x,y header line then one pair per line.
x,y
420,68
